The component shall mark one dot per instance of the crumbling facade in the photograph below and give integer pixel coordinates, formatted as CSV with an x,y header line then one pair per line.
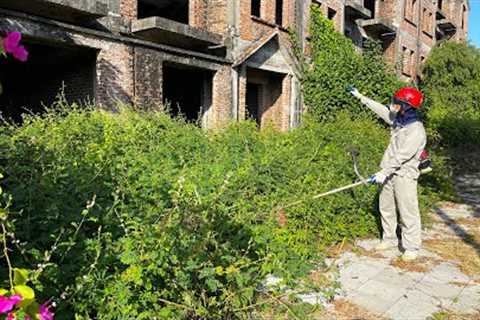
x,y
407,29
212,61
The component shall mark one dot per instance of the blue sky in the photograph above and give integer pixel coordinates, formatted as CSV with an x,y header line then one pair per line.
x,y
474,22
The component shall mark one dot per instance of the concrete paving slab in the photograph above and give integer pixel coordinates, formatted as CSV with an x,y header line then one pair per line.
x,y
439,290
413,305
446,272
388,292
468,301
374,303
356,274
392,277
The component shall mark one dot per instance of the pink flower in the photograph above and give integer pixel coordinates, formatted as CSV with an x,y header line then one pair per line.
x,y
12,41
45,313
21,53
11,44
7,303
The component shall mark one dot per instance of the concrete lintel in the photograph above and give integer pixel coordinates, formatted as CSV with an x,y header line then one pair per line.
x,y
62,10
269,68
51,30
188,61
356,10
167,31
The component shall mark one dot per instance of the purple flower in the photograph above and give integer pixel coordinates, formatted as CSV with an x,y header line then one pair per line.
x,y
45,313
7,303
11,44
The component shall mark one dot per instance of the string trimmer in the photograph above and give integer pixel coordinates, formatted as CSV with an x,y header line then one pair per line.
x,y
354,152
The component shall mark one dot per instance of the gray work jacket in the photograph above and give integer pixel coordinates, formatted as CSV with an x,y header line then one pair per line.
x,y
402,156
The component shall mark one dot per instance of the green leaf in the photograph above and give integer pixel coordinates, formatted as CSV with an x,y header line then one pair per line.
x,y
3,292
20,276
3,212
27,294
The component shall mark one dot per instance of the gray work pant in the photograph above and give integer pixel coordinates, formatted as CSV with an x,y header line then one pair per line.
x,y
401,192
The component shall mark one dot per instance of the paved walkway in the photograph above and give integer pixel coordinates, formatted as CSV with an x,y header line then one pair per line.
x,y
444,283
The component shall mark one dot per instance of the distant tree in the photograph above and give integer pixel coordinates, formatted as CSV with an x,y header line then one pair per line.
x,y
451,82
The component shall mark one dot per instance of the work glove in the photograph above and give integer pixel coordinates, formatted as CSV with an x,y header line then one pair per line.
x,y
352,90
378,178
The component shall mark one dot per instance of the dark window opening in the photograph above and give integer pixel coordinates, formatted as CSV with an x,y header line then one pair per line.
x,y
331,13
187,92
279,12
176,10
50,71
464,17
256,8
253,102
440,4
370,5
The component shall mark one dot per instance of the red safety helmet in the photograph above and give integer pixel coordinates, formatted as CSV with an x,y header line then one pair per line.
x,y
409,95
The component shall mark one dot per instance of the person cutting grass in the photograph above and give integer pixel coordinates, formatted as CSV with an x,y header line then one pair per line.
x,y
400,169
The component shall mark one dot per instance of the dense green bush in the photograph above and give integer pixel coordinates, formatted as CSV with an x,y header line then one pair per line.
x,y
182,221
334,64
452,86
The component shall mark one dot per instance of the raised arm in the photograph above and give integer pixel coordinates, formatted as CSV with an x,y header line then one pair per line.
x,y
373,105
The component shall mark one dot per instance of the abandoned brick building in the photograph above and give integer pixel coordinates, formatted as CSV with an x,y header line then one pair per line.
x,y
212,60
407,29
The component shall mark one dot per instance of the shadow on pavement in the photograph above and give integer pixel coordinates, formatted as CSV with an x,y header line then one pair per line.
x,y
466,237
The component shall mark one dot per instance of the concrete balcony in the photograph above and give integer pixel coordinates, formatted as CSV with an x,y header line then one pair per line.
x,y
169,32
445,29
446,25
355,10
379,28
63,10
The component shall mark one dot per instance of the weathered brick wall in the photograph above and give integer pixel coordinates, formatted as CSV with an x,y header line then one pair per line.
x,y
115,74
217,16
148,79
221,98
415,35
254,28
198,13
128,9
242,92
457,12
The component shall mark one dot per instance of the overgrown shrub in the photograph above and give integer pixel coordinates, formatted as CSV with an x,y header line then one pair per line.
x,y
452,86
334,64
147,217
